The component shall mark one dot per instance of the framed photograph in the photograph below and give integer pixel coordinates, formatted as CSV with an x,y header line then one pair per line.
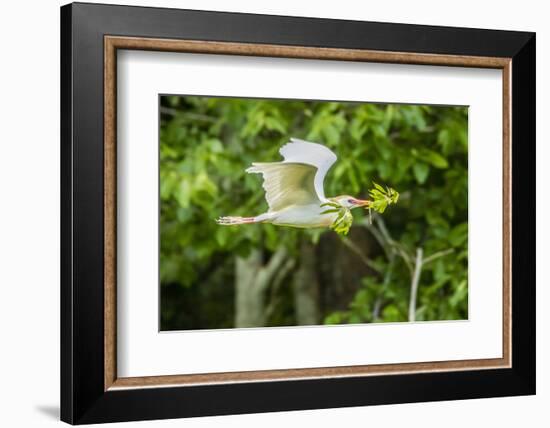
x,y
266,213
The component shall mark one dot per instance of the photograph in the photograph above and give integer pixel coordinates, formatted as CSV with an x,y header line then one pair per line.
x,y
263,211
287,212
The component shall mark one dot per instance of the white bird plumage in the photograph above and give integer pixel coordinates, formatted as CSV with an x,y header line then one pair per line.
x,y
298,179
294,188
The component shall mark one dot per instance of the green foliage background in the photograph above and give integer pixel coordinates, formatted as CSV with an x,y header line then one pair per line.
x,y
207,143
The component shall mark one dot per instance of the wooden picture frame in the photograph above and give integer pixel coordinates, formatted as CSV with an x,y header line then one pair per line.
x,y
91,390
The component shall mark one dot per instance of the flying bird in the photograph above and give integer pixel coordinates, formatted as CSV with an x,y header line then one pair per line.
x,y
294,189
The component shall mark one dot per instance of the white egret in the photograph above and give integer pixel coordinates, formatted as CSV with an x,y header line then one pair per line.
x,y
294,189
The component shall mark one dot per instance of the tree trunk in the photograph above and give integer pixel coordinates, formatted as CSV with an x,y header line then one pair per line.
x,y
252,280
306,286
248,297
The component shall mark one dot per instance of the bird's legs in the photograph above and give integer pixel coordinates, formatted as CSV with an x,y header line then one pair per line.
x,y
230,221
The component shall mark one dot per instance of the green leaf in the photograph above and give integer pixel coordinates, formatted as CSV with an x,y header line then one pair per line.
x,y
459,234
343,221
274,124
436,159
421,171
183,194
381,198
378,187
334,318
334,210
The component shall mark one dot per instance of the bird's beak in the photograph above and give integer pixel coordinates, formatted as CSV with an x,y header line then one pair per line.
x,y
362,203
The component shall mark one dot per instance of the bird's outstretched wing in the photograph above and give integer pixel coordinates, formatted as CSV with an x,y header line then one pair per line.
x,y
298,180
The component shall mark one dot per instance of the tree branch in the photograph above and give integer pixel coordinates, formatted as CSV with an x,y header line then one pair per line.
x,y
277,282
388,244
379,238
266,273
414,283
351,245
387,278
438,255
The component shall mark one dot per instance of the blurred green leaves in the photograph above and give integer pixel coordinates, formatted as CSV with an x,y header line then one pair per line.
x,y
421,171
207,143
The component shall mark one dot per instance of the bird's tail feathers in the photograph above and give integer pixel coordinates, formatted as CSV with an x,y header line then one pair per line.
x,y
232,220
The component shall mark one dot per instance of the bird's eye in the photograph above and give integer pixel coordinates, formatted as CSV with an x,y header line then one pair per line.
x,y
350,201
